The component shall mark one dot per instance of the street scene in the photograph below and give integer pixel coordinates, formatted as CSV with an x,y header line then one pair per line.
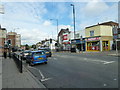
x,y
78,71
56,45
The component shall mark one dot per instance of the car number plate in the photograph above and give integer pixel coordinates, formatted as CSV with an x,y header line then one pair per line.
x,y
40,58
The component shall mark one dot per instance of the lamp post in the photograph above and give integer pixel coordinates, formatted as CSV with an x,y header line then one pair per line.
x,y
73,17
116,47
57,24
81,39
57,29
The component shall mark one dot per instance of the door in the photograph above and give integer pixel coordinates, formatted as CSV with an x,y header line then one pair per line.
x,y
105,45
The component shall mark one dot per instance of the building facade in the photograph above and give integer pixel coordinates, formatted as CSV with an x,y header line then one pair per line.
x,y
64,39
11,37
78,44
99,38
3,33
18,40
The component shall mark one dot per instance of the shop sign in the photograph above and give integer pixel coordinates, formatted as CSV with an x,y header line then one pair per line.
x,y
66,42
65,37
77,42
93,39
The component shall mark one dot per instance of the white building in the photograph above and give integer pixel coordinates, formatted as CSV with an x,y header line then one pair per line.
x,y
49,45
18,40
78,34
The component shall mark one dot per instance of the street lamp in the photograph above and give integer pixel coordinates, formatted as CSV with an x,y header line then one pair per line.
x,y
16,29
57,31
57,24
73,17
81,42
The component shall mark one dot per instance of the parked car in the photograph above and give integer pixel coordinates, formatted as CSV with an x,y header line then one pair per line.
x,y
47,51
36,57
24,54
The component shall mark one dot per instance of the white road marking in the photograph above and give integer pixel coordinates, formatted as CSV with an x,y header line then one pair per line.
x,y
115,79
43,77
105,85
108,62
104,62
55,58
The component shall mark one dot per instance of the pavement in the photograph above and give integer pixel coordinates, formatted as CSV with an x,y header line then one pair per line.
x,y
12,78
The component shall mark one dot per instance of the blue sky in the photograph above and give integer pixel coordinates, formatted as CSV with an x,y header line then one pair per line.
x,y
32,18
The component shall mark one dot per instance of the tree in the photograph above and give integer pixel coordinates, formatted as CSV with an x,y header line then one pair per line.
x,y
34,46
27,47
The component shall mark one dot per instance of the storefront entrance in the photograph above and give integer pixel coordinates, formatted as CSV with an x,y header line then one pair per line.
x,y
105,45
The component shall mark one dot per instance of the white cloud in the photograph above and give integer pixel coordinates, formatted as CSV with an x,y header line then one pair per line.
x,y
32,36
65,27
95,8
47,23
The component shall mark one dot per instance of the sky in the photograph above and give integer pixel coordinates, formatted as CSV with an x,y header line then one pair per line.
x,y
32,19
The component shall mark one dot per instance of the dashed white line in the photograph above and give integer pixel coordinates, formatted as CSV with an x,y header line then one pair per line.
x,y
108,62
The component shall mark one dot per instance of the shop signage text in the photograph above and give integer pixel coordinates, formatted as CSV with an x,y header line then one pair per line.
x,y
93,39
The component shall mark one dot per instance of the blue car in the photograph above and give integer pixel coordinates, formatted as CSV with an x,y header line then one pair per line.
x,y
36,57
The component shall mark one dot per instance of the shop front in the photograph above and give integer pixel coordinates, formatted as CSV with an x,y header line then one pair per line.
x,y
78,45
66,46
98,44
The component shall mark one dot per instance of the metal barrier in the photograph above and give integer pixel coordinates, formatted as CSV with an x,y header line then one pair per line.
x,y
18,61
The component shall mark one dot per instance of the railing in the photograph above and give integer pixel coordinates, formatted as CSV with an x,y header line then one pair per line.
x,y
18,61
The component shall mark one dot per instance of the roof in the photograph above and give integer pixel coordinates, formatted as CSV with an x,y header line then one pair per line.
x,y
2,28
110,23
63,31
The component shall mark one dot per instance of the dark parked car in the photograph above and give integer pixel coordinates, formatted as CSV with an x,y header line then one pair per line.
x,y
24,54
47,51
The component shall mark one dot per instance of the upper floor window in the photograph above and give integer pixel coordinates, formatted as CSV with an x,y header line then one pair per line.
x,y
91,33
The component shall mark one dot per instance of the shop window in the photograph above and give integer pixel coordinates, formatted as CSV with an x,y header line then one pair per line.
x,y
94,46
118,35
91,33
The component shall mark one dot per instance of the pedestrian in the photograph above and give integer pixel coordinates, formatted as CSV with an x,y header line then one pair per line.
x,y
9,55
5,53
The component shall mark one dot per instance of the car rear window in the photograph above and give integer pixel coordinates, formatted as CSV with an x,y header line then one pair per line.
x,y
38,53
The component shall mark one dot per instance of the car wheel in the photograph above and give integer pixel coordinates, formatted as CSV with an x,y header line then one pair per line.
x,y
31,64
26,61
45,62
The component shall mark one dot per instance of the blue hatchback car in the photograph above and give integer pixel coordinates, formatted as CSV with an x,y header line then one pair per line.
x,y
36,57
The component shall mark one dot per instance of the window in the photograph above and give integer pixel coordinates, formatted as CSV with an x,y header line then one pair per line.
x,y
118,35
91,33
38,53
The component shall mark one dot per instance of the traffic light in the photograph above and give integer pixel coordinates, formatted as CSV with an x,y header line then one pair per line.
x,y
9,42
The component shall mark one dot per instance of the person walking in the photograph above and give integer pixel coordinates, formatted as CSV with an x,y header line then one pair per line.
x,y
5,53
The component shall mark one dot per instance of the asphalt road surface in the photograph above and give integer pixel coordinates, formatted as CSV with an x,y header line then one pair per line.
x,y
66,70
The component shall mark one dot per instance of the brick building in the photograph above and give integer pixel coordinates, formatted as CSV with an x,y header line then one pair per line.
x,y
3,33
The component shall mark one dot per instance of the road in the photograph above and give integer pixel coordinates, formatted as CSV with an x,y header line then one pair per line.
x,y
66,70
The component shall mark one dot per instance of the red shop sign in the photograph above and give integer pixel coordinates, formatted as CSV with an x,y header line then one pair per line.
x,y
92,39
65,37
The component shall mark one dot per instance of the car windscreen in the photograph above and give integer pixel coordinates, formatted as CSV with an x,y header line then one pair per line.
x,y
38,53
